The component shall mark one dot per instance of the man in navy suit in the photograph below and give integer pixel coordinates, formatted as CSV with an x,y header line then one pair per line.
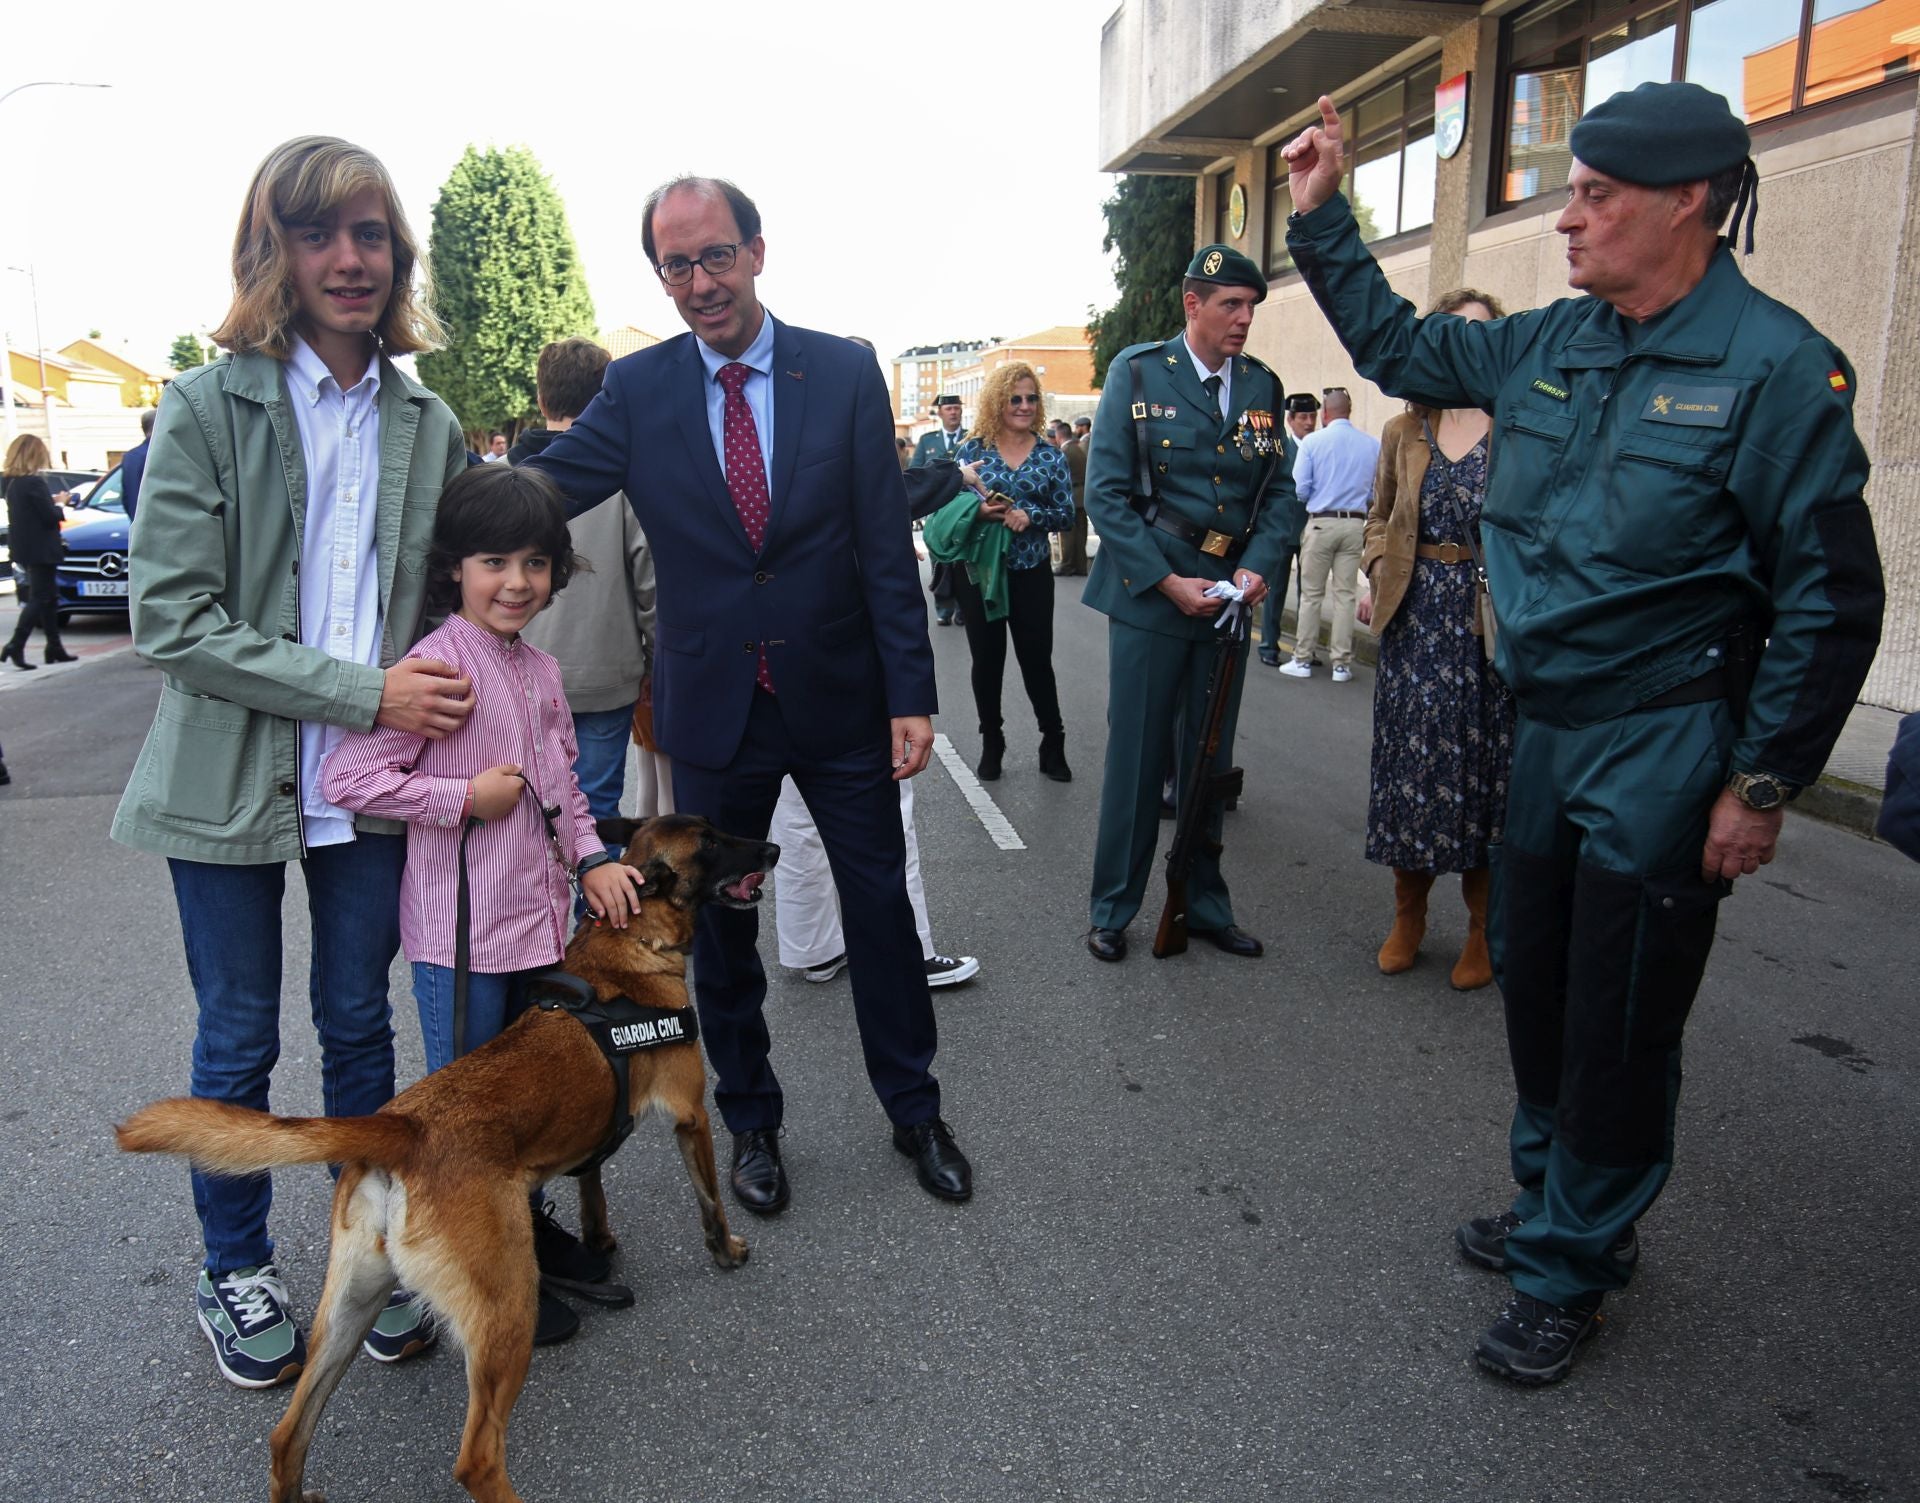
x,y
791,640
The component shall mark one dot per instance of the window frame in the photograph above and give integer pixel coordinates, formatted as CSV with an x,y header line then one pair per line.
x,y
1610,19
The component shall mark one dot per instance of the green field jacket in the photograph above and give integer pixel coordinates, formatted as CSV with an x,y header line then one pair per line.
x,y
215,596
1655,487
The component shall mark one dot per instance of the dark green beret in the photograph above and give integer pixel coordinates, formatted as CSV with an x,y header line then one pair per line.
x,y
1222,264
1660,134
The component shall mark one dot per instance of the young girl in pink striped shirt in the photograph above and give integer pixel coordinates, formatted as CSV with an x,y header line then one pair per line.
x,y
499,553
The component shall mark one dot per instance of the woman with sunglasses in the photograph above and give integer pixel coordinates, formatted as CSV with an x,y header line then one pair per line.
x,y
1027,490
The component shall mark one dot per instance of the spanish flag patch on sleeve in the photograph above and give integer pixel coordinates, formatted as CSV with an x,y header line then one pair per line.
x,y
1837,380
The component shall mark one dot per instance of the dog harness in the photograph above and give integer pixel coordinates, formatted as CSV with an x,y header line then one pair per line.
x,y
621,1027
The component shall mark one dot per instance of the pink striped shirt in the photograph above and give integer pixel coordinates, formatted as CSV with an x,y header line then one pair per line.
x,y
521,904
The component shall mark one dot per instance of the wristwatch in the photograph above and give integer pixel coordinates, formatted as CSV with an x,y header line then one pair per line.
x,y
1760,790
590,861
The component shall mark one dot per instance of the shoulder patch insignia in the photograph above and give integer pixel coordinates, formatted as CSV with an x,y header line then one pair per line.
x,y
1837,380
1558,393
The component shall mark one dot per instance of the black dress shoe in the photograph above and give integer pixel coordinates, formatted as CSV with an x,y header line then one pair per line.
x,y
1107,944
1232,939
759,1182
942,1167
555,1322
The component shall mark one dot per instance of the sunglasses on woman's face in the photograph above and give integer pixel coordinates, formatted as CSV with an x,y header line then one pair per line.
x,y
1016,400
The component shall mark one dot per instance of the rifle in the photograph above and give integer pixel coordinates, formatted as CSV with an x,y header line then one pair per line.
x,y
1204,788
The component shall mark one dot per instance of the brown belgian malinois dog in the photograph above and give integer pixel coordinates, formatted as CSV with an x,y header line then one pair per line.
x,y
433,1187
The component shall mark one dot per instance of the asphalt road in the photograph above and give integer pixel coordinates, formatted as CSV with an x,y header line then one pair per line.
x,y
1210,1255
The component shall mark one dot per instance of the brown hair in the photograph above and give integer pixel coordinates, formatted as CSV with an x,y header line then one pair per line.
x,y
497,508
990,413
569,376
304,181
1453,302
26,455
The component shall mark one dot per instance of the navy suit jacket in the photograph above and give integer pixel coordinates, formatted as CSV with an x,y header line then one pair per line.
x,y
834,591
133,466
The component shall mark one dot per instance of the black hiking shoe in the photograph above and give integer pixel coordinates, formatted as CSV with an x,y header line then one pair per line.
x,y
1534,1342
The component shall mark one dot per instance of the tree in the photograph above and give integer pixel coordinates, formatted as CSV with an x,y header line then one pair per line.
x,y
507,281
187,352
1150,228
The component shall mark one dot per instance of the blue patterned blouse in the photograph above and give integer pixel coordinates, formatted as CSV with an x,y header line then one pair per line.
x,y
1041,487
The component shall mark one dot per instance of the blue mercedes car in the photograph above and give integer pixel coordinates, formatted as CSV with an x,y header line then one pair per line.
x,y
92,578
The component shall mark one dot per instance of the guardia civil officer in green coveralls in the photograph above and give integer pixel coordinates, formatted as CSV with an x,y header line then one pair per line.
x,y
1208,419
1688,596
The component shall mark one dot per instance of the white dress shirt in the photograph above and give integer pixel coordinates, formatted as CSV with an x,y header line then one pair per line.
x,y
1225,373
339,572
758,391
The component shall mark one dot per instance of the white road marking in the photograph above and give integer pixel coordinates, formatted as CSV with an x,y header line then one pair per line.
x,y
998,827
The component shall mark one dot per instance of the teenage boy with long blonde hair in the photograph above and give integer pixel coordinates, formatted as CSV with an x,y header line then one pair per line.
x,y
282,532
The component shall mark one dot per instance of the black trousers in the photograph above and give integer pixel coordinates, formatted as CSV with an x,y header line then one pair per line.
x,y
1030,623
856,804
42,608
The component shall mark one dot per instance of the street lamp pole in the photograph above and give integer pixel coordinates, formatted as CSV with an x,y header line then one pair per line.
x,y
40,349
6,355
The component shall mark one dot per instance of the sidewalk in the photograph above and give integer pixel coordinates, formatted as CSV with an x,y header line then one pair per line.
x,y
1848,793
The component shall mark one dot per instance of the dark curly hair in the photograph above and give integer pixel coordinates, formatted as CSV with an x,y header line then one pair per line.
x,y
496,508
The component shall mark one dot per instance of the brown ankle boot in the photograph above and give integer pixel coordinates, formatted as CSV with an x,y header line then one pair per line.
x,y
1409,921
1474,969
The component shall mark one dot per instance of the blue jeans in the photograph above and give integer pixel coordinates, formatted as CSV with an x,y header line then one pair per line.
x,y
230,921
601,767
493,1001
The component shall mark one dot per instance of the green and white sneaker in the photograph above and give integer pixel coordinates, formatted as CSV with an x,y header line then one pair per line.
x,y
245,1316
405,1328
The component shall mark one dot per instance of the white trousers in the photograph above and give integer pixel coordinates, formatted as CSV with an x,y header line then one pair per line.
x,y
806,906
655,778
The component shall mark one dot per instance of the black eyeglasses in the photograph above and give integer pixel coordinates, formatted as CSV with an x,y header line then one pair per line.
x,y
677,271
1017,400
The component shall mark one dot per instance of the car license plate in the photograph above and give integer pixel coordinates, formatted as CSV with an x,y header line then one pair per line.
x,y
103,587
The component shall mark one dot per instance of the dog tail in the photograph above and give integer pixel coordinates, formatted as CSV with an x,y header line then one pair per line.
x,y
226,1139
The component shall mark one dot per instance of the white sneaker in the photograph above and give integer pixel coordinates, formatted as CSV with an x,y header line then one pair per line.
x,y
1342,675
951,970
1294,668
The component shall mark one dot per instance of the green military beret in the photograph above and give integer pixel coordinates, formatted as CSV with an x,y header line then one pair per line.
x,y
1219,263
1660,134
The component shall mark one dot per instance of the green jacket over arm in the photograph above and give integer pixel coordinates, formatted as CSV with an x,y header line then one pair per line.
x,y
1654,488
958,534
215,603
1201,475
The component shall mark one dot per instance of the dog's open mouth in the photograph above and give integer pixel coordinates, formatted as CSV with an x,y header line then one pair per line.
x,y
743,893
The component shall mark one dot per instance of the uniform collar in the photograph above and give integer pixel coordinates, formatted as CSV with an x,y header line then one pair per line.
x,y
1697,329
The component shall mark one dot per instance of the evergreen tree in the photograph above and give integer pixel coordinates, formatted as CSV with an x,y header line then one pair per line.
x,y
507,281
1150,226
187,352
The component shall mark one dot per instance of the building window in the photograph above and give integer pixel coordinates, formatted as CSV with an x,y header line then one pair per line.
x,y
1222,191
1768,58
1392,162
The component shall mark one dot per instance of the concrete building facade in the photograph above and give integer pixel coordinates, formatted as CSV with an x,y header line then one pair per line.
x,y
1213,90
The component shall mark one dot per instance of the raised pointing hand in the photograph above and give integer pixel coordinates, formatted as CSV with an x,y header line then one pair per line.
x,y
1313,160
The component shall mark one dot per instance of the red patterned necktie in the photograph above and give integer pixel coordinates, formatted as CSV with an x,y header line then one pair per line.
x,y
746,474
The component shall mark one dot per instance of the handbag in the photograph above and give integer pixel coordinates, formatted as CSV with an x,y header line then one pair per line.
x,y
1486,625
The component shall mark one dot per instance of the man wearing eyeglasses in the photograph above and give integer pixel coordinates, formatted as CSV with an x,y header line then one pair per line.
x,y
791,640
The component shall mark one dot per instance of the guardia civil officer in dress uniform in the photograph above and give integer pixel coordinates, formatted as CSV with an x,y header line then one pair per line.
x,y
1688,597
942,443
1205,414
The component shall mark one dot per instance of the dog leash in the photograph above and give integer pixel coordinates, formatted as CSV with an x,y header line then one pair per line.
x,y
463,906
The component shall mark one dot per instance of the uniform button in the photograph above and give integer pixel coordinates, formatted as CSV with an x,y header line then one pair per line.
x,y
1220,508
1216,479
748,647
1219,448
760,577
286,788
1666,902
1166,443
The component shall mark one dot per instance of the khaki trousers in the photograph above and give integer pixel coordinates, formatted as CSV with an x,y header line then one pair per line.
x,y
1329,547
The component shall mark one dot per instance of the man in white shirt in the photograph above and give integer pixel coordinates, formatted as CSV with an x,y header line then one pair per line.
x,y
1333,475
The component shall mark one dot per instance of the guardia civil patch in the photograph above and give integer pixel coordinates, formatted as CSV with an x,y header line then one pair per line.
x,y
1837,380
1691,406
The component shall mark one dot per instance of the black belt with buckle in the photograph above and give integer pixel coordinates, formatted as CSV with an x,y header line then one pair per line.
x,y
1217,544
1321,516
1699,691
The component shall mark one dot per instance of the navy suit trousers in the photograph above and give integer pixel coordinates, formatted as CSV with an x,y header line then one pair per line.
x,y
854,802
